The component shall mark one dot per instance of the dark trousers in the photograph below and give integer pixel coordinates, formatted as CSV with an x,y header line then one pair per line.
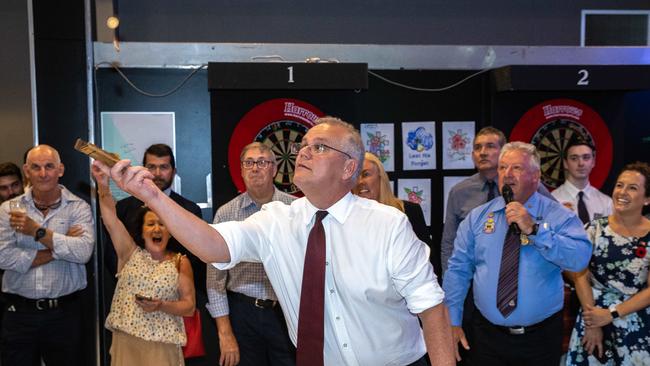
x,y
468,315
493,345
261,333
30,334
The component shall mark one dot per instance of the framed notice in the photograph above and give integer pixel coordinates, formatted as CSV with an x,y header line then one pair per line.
x,y
379,139
416,191
129,134
457,140
419,145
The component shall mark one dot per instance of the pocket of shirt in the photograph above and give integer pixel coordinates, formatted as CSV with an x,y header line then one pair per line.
x,y
59,226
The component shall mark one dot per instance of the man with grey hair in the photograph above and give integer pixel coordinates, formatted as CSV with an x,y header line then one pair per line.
x,y
514,249
251,328
44,266
350,274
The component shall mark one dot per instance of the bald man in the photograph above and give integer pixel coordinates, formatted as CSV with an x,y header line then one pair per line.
x,y
44,266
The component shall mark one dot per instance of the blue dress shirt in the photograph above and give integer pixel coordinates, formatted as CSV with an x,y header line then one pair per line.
x,y
561,243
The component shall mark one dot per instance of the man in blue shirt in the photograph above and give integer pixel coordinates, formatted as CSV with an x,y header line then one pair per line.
x,y
529,329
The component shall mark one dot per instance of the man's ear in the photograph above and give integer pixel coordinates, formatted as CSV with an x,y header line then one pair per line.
x,y
349,168
61,170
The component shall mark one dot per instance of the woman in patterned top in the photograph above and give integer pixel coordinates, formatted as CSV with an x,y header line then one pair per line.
x,y
613,327
155,288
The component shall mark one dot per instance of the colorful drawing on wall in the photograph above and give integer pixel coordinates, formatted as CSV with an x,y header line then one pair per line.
x,y
378,138
457,145
419,145
448,184
416,191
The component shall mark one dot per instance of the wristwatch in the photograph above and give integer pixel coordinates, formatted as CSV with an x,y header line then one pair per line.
x,y
612,310
40,234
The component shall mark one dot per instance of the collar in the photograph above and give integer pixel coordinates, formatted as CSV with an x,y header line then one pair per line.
x,y
339,210
573,190
66,196
247,201
533,201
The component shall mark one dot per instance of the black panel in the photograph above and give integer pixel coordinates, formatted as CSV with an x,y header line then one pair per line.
x,y
616,30
60,64
288,76
580,77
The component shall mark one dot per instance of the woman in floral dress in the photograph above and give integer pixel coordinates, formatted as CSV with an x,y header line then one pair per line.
x,y
613,326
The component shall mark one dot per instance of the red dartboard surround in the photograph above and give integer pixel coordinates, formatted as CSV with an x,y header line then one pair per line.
x,y
549,126
276,123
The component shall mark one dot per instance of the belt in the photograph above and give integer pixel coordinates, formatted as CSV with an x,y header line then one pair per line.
x,y
23,303
260,303
521,330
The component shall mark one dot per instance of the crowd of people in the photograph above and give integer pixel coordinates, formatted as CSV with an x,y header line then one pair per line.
x,y
346,275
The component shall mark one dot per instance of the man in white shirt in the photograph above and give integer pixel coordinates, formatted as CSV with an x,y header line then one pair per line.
x,y
576,193
377,273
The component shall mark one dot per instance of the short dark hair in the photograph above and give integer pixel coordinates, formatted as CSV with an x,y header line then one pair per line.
x,y
489,130
577,141
160,150
641,168
8,169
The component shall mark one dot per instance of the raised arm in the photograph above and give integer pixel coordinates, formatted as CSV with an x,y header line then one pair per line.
x,y
195,234
122,240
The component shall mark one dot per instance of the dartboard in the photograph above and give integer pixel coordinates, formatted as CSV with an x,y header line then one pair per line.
x,y
276,123
279,136
551,140
549,126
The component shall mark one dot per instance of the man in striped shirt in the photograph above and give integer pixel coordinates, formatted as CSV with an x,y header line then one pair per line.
x,y
252,330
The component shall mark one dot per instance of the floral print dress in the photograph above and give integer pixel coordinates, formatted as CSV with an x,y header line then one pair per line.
x,y
619,269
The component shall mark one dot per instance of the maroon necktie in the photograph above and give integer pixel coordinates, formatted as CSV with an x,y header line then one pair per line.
x,y
311,318
509,274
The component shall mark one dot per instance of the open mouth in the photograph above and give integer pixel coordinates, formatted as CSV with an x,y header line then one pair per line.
x,y
622,201
156,240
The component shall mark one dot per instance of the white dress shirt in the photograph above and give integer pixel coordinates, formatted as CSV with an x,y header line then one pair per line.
x,y
378,275
597,203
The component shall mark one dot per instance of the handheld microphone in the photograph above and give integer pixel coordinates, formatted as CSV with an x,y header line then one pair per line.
x,y
508,196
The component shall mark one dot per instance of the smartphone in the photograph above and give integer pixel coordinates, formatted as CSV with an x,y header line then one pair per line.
x,y
142,297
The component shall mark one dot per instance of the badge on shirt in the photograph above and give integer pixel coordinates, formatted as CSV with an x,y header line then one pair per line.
x,y
489,224
568,205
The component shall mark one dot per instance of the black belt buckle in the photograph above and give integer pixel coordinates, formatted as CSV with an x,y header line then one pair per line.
x,y
517,330
264,304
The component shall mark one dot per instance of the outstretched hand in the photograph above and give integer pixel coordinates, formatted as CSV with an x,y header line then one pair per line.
x,y
100,177
135,180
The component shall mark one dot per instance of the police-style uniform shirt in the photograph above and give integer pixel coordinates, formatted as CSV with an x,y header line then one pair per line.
x,y
377,275
561,243
598,204
463,198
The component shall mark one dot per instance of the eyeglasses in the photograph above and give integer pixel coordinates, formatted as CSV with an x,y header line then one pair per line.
x,y
315,149
261,164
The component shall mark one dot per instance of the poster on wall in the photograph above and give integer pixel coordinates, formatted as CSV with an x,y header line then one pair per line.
x,y
457,139
129,134
416,191
448,184
419,145
379,139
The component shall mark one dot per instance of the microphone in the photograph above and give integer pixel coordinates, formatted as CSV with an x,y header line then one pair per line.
x,y
508,196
